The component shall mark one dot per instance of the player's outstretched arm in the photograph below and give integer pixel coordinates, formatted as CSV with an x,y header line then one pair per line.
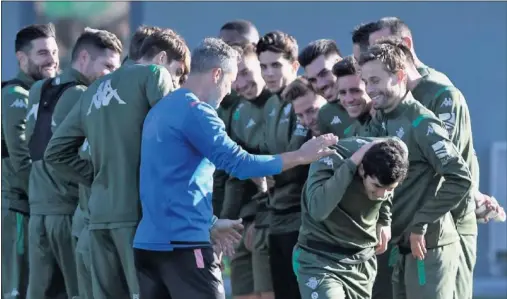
x,y
206,132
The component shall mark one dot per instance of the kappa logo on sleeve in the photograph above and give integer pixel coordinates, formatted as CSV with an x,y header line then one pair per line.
x,y
102,98
447,102
19,103
12,294
441,151
250,123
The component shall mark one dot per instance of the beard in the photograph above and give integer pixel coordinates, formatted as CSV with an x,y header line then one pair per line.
x,y
386,101
35,71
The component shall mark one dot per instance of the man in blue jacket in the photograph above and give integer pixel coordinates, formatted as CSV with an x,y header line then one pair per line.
x,y
179,153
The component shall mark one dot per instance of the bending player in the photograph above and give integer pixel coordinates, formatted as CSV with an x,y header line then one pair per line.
x,y
346,217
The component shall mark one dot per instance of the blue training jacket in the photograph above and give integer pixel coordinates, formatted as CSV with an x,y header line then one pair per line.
x,y
183,140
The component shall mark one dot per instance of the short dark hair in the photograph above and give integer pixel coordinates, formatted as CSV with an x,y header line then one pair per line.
x,y
387,161
346,67
94,40
244,28
397,42
297,88
361,34
317,48
170,42
137,39
279,42
26,35
391,56
396,26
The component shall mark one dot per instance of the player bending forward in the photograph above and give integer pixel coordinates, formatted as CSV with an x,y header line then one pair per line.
x,y
346,217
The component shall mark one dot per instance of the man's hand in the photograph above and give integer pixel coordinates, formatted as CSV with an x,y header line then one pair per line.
x,y
250,237
418,246
487,208
316,148
383,236
225,235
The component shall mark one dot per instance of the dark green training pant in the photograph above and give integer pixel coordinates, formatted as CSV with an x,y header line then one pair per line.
x,y
14,254
112,260
51,257
465,278
434,277
324,278
83,265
